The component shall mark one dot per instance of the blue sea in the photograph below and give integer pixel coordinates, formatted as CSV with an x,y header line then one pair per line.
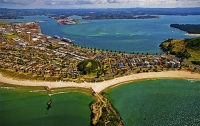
x,y
125,35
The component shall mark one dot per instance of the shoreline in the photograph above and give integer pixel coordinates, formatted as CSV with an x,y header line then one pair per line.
x,y
189,34
100,86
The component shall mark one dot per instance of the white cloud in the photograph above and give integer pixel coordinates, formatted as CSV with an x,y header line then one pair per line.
x,y
22,2
99,3
73,2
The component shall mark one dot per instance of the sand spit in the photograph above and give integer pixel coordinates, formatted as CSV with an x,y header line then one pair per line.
x,y
189,34
100,86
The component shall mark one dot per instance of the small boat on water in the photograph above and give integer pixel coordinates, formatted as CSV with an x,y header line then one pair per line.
x,y
56,37
66,40
39,21
49,102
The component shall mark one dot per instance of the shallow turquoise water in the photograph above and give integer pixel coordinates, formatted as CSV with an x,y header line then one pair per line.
x,y
27,107
161,102
125,35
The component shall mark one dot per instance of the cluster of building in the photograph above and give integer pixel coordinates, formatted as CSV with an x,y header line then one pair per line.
x,y
122,62
67,21
25,49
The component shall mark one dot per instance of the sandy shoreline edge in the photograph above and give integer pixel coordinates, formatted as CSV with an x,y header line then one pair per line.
x,y
100,86
190,34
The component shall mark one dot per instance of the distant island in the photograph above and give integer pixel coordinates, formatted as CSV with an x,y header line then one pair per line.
x,y
117,16
10,17
189,28
68,21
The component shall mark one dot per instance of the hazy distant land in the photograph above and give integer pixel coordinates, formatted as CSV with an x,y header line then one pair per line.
x,y
91,14
189,28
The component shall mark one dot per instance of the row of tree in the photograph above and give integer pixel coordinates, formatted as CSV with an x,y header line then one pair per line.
x,y
189,28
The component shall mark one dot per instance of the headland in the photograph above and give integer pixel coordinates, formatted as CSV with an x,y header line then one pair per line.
x,y
191,29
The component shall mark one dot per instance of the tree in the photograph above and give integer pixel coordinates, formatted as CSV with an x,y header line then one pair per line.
x,y
89,66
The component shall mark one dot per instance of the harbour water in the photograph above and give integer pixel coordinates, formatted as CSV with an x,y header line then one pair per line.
x,y
27,106
125,35
159,102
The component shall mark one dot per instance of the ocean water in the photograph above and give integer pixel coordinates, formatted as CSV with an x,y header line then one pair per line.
x,y
27,106
125,35
159,102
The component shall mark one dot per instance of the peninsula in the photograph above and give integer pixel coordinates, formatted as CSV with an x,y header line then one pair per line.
x,y
191,29
187,49
27,54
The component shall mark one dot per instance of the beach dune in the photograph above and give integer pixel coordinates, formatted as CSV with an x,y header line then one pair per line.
x,y
100,86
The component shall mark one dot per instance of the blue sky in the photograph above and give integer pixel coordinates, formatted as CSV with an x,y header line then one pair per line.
x,y
98,3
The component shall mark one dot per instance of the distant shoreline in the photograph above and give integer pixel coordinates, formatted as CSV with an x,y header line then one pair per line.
x,y
190,34
100,86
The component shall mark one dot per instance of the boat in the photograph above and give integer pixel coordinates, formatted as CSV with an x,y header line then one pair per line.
x,y
56,37
39,21
49,102
66,40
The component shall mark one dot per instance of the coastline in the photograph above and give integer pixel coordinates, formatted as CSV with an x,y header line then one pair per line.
x,y
100,86
189,34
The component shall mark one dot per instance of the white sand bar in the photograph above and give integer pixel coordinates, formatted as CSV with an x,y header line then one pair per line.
x,y
99,86
189,34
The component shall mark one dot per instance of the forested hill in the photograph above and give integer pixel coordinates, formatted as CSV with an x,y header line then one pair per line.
x,y
189,28
193,43
185,49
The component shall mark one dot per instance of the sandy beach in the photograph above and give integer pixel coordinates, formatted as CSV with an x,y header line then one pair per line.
x,y
100,86
188,34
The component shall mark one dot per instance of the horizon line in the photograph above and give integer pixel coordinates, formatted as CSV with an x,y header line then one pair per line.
x,y
108,8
